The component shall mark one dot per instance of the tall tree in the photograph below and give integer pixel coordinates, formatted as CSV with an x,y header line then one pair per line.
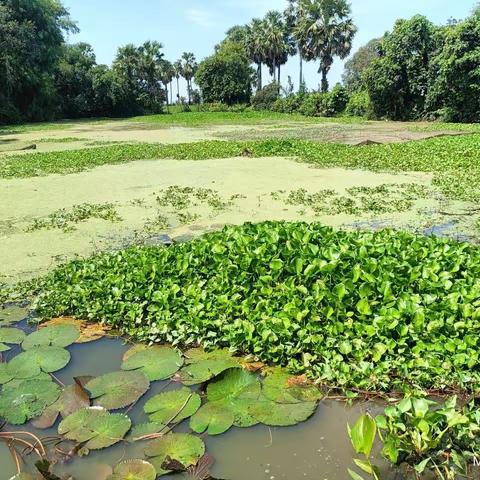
x,y
189,67
256,48
325,29
178,72
167,73
292,15
360,61
278,42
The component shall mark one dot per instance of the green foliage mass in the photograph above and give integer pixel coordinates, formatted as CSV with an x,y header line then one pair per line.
x,y
354,309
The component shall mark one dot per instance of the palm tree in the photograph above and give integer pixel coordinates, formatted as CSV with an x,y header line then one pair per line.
x,y
325,29
151,61
292,14
177,66
189,67
277,41
166,76
255,46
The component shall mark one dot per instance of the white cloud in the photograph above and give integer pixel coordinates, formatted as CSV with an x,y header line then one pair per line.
x,y
201,17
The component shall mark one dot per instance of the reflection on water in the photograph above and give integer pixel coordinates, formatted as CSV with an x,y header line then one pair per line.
x,y
318,449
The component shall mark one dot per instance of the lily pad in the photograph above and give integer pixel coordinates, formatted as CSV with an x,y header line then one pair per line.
x,y
5,374
72,398
89,332
13,336
39,359
238,390
282,414
173,406
12,314
157,362
28,400
281,387
117,389
134,470
144,429
181,447
202,366
213,417
95,426
54,336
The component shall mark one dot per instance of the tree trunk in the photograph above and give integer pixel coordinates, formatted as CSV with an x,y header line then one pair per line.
x,y
166,97
279,67
300,85
324,71
178,89
171,93
189,92
259,76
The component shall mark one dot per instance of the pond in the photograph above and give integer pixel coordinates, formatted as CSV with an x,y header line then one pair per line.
x,y
317,449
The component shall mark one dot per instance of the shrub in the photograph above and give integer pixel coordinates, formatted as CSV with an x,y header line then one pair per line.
x,y
359,104
337,100
265,98
289,104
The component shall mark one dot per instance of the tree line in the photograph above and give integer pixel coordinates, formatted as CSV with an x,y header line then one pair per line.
x,y
418,70
42,77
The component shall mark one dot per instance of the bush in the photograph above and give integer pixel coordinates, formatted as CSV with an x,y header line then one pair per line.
x,y
359,105
337,100
265,98
325,104
221,107
289,104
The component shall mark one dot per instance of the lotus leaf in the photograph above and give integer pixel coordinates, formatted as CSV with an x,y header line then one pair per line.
x,y
39,359
28,400
117,389
10,335
281,387
172,406
182,447
54,336
89,332
202,366
144,429
133,470
12,314
157,362
95,426
282,414
213,417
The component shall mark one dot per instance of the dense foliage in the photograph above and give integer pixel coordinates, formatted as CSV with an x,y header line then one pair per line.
x,y
226,76
367,310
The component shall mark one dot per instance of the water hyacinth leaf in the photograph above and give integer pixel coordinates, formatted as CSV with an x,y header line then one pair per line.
x,y
118,389
11,335
144,429
54,336
72,398
173,406
28,400
39,359
156,362
89,332
95,426
181,447
201,366
282,414
213,417
362,434
281,387
135,469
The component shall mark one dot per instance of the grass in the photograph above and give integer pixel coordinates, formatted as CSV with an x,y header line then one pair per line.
x,y
374,311
454,161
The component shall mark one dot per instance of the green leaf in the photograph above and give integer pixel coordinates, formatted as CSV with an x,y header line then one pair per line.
x,y
157,362
182,447
354,475
278,387
95,426
13,336
117,389
133,470
213,417
173,406
39,359
420,467
202,366
54,336
231,384
363,434
282,414
28,400
144,429
364,307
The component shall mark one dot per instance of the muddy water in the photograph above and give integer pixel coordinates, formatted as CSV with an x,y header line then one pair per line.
x,y
318,449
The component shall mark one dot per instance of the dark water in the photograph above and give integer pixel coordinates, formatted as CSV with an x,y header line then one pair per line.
x,y
318,449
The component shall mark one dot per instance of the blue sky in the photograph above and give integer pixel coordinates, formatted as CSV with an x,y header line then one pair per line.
x,y
197,25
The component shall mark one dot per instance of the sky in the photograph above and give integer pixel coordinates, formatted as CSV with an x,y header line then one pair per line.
x,y
197,25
